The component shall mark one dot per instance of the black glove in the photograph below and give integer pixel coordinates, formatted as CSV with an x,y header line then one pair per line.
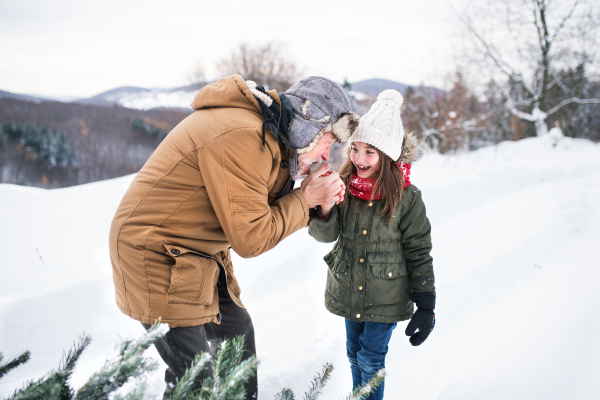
x,y
423,319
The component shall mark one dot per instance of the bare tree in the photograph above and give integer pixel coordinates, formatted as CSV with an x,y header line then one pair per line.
x,y
534,44
267,65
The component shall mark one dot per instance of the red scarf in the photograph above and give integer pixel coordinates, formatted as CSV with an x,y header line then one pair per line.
x,y
363,187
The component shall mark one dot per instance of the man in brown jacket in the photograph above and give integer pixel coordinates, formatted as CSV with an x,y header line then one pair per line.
x,y
222,179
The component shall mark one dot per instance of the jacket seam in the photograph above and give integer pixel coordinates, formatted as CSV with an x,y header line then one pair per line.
x,y
229,191
146,268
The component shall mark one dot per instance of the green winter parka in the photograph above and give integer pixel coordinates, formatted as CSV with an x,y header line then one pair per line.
x,y
373,268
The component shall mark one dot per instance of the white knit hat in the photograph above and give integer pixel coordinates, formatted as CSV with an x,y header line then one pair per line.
x,y
382,127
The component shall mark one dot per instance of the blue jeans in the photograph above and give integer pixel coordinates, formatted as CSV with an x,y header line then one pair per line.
x,y
366,346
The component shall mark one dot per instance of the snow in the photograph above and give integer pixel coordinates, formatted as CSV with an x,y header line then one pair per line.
x,y
145,100
516,234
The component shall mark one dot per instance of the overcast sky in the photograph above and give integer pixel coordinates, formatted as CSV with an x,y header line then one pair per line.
x,y
81,48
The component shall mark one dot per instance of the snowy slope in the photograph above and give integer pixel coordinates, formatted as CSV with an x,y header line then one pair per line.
x,y
516,233
145,99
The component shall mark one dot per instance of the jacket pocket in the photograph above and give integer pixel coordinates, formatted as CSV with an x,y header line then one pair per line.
x,y
388,270
338,279
388,284
193,277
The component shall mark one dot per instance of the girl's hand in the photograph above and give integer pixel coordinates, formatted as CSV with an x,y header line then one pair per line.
x,y
326,209
322,186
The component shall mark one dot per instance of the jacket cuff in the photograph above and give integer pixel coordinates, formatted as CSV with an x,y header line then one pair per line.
x,y
321,214
302,198
423,300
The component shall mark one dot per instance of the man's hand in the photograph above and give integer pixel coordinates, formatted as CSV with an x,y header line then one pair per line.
x,y
323,186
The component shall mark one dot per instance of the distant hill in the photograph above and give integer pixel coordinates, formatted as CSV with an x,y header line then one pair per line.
x,y
9,95
105,142
146,99
181,97
373,87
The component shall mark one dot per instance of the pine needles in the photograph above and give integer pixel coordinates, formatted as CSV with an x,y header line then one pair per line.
x,y
229,375
14,363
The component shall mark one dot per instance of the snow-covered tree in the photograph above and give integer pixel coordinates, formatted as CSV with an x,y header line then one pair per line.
x,y
535,45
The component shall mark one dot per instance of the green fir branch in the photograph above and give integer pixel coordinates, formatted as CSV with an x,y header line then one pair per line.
x,y
137,393
185,385
286,394
318,383
231,385
130,363
55,385
230,373
14,363
362,392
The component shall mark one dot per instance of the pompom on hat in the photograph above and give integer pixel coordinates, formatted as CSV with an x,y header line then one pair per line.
x,y
382,126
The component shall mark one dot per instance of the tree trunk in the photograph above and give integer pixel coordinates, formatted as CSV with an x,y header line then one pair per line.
x,y
541,128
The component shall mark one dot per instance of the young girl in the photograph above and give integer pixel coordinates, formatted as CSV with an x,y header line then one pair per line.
x,y
380,265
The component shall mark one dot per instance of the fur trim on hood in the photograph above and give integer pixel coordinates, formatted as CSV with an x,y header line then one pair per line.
x,y
410,149
264,97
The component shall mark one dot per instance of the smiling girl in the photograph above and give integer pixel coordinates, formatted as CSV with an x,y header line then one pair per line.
x,y
380,265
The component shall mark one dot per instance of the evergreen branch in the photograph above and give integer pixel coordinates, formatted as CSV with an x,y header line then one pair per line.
x,y
319,382
361,393
70,358
286,394
55,384
231,386
15,362
138,392
130,363
184,386
229,373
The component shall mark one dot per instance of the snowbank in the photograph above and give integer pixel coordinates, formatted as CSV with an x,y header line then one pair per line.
x,y
516,233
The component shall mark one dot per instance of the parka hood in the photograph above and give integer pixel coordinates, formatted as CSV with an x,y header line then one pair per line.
x,y
230,91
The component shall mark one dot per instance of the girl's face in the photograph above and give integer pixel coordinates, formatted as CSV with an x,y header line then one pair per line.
x,y
365,158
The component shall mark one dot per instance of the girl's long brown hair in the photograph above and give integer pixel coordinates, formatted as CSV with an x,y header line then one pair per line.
x,y
389,183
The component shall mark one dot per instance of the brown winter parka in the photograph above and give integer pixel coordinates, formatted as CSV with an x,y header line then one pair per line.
x,y
207,187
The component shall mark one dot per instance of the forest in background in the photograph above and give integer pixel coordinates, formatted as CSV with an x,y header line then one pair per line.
x,y
107,142
529,66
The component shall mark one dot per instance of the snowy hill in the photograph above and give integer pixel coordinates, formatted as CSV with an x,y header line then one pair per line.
x,y
145,99
374,86
516,234
181,97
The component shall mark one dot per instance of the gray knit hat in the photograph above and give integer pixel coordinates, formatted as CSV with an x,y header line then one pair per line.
x,y
320,106
382,126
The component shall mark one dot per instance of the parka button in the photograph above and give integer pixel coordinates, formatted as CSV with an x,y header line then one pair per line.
x,y
390,274
357,315
362,260
360,288
284,164
175,251
365,232
370,204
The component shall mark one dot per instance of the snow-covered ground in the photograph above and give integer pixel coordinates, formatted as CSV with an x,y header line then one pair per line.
x,y
516,234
